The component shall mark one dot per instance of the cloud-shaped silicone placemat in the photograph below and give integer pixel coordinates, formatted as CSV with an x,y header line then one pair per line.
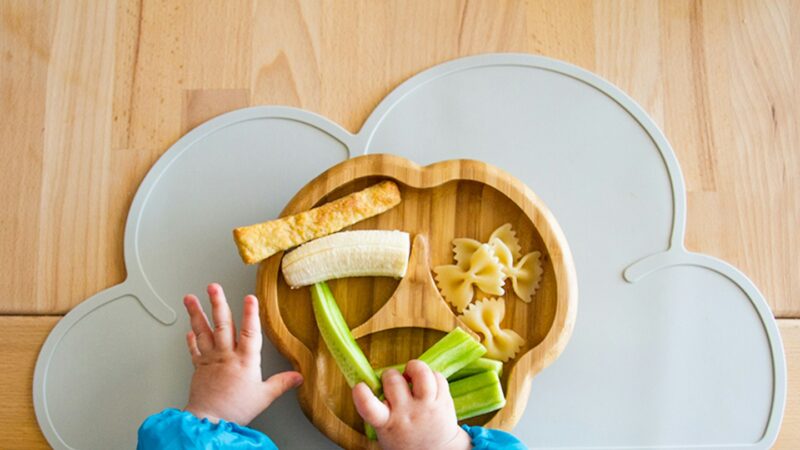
x,y
683,353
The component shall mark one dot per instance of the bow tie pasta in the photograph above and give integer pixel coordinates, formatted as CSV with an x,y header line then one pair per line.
x,y
507,236
525,273
484,272
484,317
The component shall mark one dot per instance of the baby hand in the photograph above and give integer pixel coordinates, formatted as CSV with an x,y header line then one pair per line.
x,y
227,378
420,417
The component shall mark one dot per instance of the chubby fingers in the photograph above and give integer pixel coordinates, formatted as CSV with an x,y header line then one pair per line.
x,y
202,331
443,388
395,388
278,384
369,407
423,382
191,342
224,330
250,338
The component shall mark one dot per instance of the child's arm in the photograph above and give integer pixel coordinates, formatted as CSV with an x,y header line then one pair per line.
x,y
227,390
422,416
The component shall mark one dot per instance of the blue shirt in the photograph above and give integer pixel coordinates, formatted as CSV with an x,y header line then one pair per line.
x,y
173,429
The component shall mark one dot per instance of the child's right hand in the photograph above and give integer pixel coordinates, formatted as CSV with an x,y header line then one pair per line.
x,y
420,417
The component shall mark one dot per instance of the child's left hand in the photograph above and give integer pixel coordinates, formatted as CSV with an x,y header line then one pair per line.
x,y
227,379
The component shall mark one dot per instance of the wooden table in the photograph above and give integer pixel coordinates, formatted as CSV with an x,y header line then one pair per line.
x,y
93,92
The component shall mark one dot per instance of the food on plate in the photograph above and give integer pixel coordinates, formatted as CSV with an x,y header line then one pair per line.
x,y
475,367
525,273
260,241
484,272
451,353
455,351
478,366
477,394
379,253
506,234
475,388
484,317
339,340
526,276
463,248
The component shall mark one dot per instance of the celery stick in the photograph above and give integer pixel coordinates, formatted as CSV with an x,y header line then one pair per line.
x,y
339,339
472,396
370,432
398,367
478,366
452,352
477,394
475,367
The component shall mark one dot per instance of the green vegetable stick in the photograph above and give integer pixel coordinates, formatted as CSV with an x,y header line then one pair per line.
x,y
475,367
448,355
478,366
477,394
340,342
472,396
452,352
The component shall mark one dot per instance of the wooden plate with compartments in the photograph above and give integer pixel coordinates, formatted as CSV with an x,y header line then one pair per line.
x,y
396,320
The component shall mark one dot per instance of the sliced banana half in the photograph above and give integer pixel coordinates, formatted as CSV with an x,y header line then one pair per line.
x,y
362,253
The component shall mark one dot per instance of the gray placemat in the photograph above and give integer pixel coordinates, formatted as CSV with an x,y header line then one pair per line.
x,y
671,348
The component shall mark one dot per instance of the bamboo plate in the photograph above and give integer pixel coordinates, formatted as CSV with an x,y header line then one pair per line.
x,y
395,320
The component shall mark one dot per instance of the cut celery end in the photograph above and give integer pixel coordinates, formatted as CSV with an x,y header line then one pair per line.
x,y
479,402
476,395
466,385
473,368
370,432
478,366
452,352
340,342
398,367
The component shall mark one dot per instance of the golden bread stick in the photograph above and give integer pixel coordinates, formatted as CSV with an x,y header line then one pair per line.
x,y
260,241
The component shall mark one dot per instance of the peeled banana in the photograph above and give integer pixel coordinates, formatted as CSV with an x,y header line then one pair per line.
x,y
345,254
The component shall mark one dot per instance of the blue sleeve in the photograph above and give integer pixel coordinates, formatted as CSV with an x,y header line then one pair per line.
x,y
179,430
486,439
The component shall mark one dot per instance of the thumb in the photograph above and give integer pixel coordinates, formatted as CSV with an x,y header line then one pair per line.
x,y
278,384
369,407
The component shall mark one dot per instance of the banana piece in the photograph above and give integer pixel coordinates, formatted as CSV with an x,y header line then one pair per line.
x,y
346,254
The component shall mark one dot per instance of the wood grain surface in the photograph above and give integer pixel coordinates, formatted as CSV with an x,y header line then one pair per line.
x,y
93,92
440,202
21,338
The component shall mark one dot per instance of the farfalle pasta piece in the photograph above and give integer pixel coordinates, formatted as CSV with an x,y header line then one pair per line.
x,y
484,317
503,254
508,236
525,275
484,272
463,249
